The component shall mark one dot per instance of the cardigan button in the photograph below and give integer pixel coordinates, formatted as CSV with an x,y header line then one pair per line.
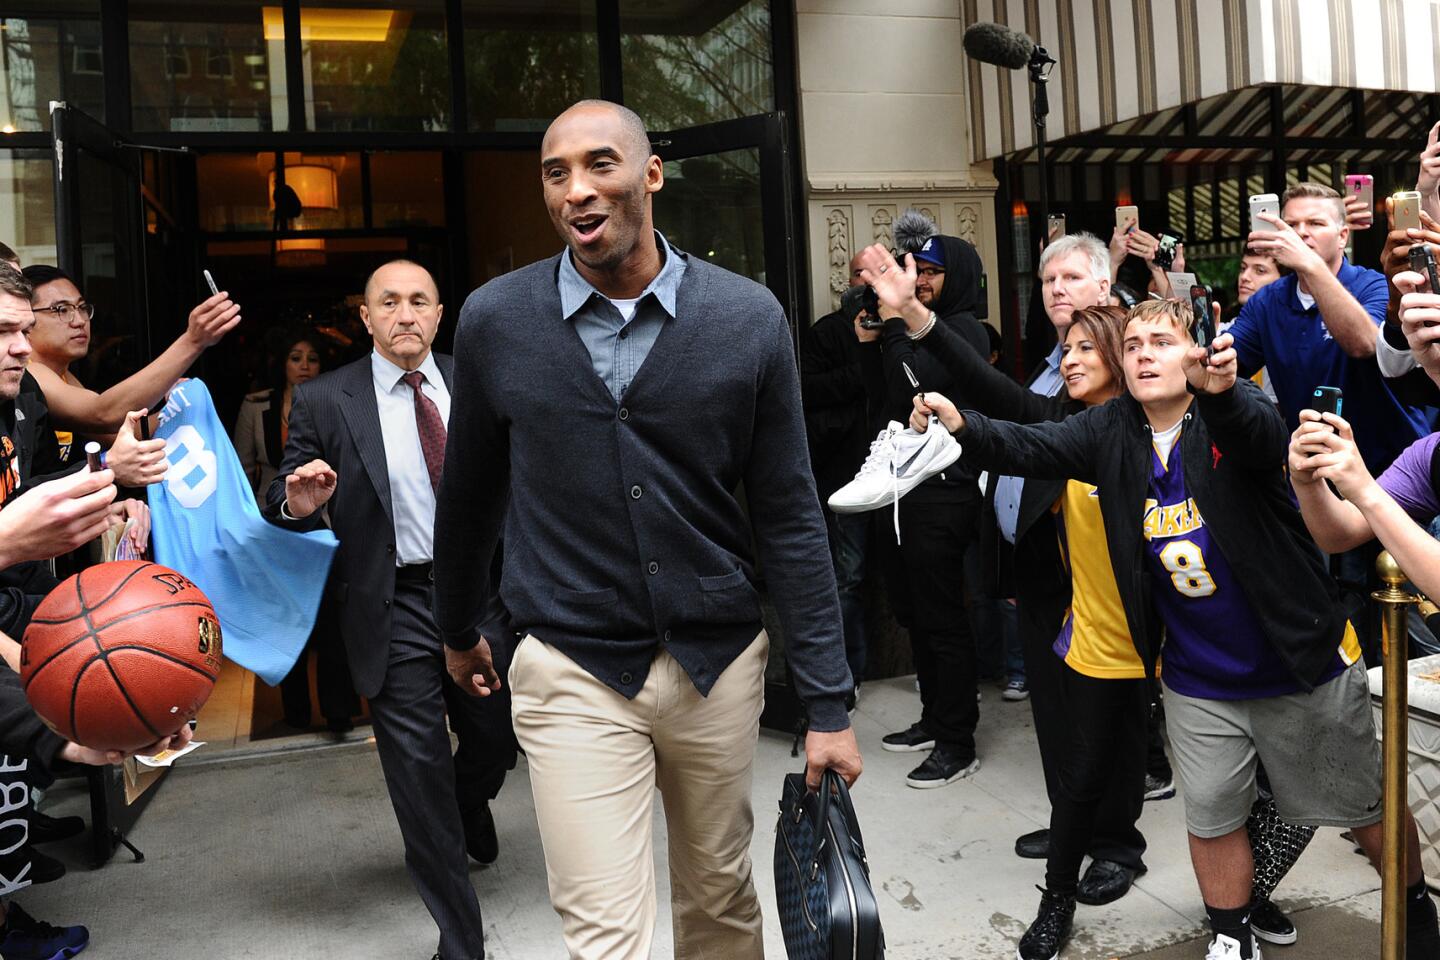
x,y
635,492
626,677
624,414
667,636
654,568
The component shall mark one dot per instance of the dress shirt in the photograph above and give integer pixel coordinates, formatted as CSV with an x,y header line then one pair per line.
x,y
619,345
1008,489
411,497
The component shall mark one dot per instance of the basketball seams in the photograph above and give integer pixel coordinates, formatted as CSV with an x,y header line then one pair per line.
x,y
168,657
120,685
95,636
118,587
92,632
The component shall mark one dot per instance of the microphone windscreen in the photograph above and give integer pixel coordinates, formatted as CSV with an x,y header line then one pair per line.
x,y
997,44
912,229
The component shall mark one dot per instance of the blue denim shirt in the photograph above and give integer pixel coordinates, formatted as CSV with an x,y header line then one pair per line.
x,y
617,348
1009,489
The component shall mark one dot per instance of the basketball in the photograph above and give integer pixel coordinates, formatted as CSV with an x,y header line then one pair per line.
x,y
121,655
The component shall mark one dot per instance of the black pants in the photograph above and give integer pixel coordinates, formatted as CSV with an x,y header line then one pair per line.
x,y
1106,746
333,686
927,591
429,789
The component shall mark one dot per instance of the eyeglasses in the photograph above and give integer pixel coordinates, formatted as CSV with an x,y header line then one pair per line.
x,y
64,311
930,273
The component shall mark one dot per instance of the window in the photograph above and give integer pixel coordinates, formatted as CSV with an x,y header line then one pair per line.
x,y
689,62
27,204
524,63
183,59
375,65
51,55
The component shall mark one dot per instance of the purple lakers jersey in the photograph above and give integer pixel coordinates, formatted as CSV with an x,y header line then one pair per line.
x,y
1214,647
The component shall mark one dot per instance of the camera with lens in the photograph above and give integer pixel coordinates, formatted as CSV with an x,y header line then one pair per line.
x,y
862,299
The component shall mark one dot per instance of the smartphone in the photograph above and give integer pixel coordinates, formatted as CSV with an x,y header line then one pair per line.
x,y
1407,210
1057,226
1204,329
1263,203
1326,400
1127,218
872,323
1362,185
1422,261
210,282
1165,253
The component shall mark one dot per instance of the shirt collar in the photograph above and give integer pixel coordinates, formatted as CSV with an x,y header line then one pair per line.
x,y
1053,360
1345,274
388,375
576,291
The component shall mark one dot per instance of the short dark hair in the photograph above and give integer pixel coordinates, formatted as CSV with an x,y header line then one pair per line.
x,y
365,290
8,254
14,283
40,274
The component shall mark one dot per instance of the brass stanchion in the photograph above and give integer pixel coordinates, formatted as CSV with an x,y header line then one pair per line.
x,y
1394,603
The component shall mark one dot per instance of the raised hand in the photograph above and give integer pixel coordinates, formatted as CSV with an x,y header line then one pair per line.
x,y
894,285
56,517
1213,372
211,319
309,488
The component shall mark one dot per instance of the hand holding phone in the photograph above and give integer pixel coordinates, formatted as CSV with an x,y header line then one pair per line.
x,y
1407,210
1267,203
1204,329
1422,261
1127,218
1360,197
210,282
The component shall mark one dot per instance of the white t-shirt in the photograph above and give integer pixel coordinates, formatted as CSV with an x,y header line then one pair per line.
x,y
626,308
1165,440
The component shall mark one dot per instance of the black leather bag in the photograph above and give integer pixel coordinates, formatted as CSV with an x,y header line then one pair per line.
x,y
827,908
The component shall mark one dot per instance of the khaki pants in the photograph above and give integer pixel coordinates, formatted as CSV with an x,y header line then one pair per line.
x,y
595,760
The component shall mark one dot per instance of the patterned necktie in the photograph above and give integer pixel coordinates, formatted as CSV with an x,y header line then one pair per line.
x,y
432,428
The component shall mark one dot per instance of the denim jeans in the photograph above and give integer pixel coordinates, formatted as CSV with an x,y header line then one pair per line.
x,y
849,542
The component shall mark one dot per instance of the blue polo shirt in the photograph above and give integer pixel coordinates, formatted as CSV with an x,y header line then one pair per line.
x,y
1276,331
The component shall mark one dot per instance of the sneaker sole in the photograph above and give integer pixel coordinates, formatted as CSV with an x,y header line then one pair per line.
x,y
960,774
1021,956
908,747
1014,697
893,491
67,952
1269,936
1160,795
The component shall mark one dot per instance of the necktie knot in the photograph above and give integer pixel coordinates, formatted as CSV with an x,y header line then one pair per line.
x,y
413,380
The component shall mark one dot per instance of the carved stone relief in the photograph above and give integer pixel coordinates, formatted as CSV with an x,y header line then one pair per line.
x,y
882,219
837,227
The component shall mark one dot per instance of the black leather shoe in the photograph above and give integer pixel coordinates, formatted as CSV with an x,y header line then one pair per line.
x,y
946,764
1034,845
481,842
47,829
1105,882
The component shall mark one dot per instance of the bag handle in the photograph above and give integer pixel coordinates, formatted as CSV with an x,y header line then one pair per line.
x,y
830,783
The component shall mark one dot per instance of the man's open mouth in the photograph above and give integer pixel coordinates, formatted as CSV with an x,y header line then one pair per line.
x,y
587,228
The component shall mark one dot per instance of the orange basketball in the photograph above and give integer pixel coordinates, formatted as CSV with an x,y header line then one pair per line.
x,y
121,655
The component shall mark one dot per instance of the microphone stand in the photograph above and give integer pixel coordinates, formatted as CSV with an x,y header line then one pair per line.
x,y
1040,65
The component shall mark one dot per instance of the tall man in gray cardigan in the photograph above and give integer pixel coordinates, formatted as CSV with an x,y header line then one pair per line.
x,y
622,392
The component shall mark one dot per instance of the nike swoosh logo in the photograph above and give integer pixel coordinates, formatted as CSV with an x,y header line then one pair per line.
x,y
907,464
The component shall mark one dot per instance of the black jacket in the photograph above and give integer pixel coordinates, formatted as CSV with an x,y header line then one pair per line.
x,y
891,394
1234,448
832,389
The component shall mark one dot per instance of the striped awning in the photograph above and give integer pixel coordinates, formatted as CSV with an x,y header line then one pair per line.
x,y
1121,60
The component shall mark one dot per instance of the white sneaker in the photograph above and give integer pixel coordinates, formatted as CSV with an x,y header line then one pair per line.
x,y
900,460
1225,948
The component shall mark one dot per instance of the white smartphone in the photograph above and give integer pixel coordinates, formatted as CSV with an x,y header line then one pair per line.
x,y
1407,210
1127,218
1263,203
210,282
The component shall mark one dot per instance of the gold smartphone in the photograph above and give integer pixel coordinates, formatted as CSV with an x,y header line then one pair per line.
x,y
1407,210
1124,217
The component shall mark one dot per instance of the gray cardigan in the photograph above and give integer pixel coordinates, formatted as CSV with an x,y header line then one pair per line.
x,y
626,526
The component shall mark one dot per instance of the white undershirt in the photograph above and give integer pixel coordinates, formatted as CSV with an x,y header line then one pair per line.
x,y
1165,440
626,308
1307,302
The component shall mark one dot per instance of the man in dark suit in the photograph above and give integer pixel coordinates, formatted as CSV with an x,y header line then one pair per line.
x,y
366,446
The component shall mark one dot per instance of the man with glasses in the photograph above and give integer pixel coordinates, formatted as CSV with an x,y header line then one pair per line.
x,y
61,336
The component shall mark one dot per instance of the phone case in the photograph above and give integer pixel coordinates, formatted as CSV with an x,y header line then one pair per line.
x,y
1407,210
1125,214
1264,203
1362,185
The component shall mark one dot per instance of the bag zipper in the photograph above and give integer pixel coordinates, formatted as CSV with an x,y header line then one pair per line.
x,y
804,897
850,894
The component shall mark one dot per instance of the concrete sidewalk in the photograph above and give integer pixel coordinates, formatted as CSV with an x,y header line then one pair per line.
x,y
299,857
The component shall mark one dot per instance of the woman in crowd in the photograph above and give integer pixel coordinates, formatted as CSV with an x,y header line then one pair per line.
x,y
261,431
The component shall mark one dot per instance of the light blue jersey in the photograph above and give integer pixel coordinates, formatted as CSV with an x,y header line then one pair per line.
x,y
265,582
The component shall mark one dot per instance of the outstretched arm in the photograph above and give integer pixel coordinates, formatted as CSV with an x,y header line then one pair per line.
x,y
73,407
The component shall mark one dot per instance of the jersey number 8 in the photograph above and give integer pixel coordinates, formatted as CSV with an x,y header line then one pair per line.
x,y
1187,568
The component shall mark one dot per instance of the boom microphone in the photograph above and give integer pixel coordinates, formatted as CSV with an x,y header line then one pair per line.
x,y
912,229
998,44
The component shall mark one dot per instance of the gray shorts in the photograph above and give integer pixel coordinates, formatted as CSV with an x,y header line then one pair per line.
x,y
1318,748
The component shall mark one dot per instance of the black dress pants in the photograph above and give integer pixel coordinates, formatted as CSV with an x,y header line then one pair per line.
x,y
1042,595
423,779
927,591
1106,746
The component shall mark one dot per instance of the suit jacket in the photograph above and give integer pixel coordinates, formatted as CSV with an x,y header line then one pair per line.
x,y
336,418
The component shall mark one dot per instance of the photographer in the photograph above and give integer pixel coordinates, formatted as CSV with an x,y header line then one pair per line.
x,y
937,520
837,428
